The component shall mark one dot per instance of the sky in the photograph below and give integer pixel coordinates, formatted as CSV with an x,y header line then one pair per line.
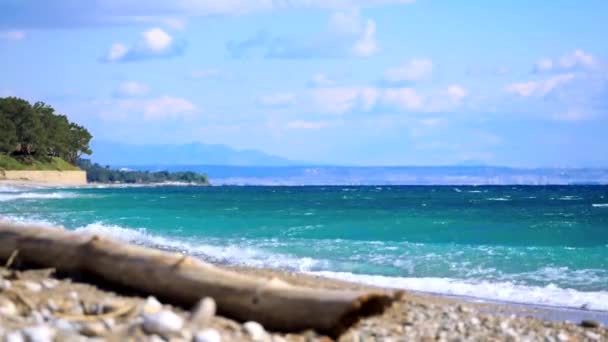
x,y
352,82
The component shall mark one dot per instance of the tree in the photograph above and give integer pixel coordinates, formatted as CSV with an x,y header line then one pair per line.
x,y
79,142
8,138
37,132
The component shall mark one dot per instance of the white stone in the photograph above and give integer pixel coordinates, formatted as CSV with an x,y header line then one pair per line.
x,y
562,336
73,295
50,283
14,336
255,330
7,307
152,305
5,284
592,336
164,323
207,335
203,312
39,333
32,286
37,317
63,324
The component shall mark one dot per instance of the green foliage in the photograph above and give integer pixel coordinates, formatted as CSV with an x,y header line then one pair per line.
x,y
36,134
100,174
54,164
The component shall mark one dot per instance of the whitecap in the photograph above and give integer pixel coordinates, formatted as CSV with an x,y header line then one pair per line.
x,y
550,295
35,196
600,205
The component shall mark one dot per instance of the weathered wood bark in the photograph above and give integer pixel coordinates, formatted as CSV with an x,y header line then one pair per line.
x,y
185,280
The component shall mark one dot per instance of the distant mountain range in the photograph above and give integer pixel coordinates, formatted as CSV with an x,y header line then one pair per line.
x,y
113,153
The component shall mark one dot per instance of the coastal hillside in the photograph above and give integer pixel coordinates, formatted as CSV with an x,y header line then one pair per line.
x,y
36,137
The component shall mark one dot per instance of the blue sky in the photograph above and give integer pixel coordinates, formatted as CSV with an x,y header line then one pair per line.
x,y
377,82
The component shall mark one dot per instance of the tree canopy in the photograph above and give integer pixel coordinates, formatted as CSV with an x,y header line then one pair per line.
x,y
36,132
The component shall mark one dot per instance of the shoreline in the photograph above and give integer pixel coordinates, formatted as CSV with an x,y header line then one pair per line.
x,y
413,316
72,303
543,312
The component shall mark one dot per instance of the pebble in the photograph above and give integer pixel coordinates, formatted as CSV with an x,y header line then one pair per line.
x,y
203,312
39,333
50,283
592,336
207,335
152,305
563,337
7,307
14,336
255,330
93,329
32,286
5,284
62,324
164,323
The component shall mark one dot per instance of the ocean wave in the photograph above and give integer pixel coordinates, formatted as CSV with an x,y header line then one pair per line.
x,y
35,195
549,295
484,282
600,205
233,253
498,199
8,188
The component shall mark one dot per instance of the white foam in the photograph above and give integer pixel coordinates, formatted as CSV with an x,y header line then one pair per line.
x,y
234,253
35,195
550,295
241,252
600,205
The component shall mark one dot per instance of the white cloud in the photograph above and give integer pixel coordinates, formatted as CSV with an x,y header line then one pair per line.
x,y
12,35
156,40
578,59
346,22
456,92
366,45
300,124
541,87
167,106
403,98
171,14
414,70
132,88
117,51
150,109
153,43
340,100
544,64
321,80
277,99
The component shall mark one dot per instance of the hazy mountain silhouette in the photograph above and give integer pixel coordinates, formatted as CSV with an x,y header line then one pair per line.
x,y
114,153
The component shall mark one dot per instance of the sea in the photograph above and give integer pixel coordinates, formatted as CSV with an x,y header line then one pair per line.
x,y
531,244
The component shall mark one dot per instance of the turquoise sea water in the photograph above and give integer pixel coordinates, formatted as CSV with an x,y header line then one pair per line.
x,y
530,244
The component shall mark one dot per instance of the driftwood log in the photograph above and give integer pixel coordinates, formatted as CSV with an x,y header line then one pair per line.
x,y
185,280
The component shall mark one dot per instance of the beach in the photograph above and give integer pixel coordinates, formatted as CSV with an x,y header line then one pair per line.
x,y
66,307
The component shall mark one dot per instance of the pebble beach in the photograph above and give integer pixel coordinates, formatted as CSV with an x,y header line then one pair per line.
x,y
38,306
